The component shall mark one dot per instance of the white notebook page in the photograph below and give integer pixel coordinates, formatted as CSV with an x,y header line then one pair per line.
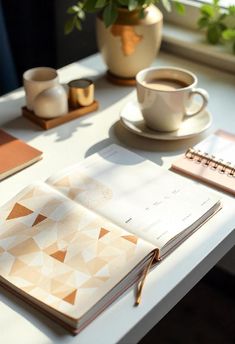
x,y
218,146
144,198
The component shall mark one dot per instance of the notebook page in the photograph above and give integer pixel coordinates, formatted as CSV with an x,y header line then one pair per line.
x,y
135,193
220,145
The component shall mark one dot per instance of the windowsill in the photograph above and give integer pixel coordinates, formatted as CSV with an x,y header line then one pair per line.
x,y
182,37
191,44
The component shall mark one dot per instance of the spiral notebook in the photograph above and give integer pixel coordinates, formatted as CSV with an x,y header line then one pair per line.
x,y
211,161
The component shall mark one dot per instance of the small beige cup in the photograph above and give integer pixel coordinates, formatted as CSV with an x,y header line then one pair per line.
x,y
36,80
165,96
81,92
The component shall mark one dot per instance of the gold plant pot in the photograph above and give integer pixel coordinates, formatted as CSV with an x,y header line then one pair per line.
x,y
130,44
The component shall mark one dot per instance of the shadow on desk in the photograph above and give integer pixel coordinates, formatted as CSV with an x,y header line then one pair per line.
x,y
31,130
204,316
113,94
32,315
120,135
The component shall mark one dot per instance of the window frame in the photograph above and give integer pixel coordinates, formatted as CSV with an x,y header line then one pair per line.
x,y
192,9
182,36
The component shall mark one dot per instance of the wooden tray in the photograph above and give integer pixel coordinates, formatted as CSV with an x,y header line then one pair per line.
x,y
54,122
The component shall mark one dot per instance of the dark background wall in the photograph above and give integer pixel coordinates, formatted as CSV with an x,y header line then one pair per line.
x,y
35,37
76,45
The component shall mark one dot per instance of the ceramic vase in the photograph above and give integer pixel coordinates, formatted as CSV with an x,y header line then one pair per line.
x,y
131,43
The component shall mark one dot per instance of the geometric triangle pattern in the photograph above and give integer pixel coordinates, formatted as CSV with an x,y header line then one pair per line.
x,y
63,254
18,210
59,255
103,232
130,238
39,219
71,297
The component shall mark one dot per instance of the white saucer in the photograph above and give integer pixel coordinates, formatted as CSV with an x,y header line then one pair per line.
x,y
132,119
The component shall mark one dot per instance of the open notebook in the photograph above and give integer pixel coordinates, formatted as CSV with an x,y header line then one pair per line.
x,y
73,244
211,161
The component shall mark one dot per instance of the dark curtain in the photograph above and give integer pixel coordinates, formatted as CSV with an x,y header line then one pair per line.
x,y
8,77
31,33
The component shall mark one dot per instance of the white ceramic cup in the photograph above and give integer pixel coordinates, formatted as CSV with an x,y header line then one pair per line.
x,y
165,96
36,80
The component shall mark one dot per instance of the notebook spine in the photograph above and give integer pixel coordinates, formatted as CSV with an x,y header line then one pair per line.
x,y
211,161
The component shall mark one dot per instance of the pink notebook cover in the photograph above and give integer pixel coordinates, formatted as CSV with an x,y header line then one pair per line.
x,y
221,144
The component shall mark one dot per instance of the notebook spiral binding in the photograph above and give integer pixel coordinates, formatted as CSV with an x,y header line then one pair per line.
x,y
211,161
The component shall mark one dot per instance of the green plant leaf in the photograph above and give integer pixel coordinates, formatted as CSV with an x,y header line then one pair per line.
x,y
73,9
228,34
123,2
179,7
207,10
144,2
100,3
132,5
81,15
167,5
222,26
69,25
222,16
231,9
234,47
214,34
78,24
89,6
203,22
110,14
142,13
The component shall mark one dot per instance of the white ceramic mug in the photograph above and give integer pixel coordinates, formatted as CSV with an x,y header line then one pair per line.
x,y
36,80
165,96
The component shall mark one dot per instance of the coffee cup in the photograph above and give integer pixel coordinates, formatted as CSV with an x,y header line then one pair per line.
x,y
36,80
165,96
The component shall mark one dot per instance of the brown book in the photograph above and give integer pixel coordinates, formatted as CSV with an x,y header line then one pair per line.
x,y
15,154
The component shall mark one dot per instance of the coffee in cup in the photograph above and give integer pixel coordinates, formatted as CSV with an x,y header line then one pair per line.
x,y
165,96
165,84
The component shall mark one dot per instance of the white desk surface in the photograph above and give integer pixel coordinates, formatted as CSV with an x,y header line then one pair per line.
x,y
67,144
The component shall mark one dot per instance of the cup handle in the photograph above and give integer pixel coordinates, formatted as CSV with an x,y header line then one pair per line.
x,y
205,97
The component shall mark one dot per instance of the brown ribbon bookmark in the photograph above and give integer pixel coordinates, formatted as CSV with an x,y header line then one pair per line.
x,y
155,257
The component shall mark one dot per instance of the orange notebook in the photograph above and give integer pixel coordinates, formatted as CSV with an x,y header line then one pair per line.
x,y
211,161
15,154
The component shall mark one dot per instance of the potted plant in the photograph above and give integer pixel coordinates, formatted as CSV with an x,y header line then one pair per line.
x,y
128,32
218,23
